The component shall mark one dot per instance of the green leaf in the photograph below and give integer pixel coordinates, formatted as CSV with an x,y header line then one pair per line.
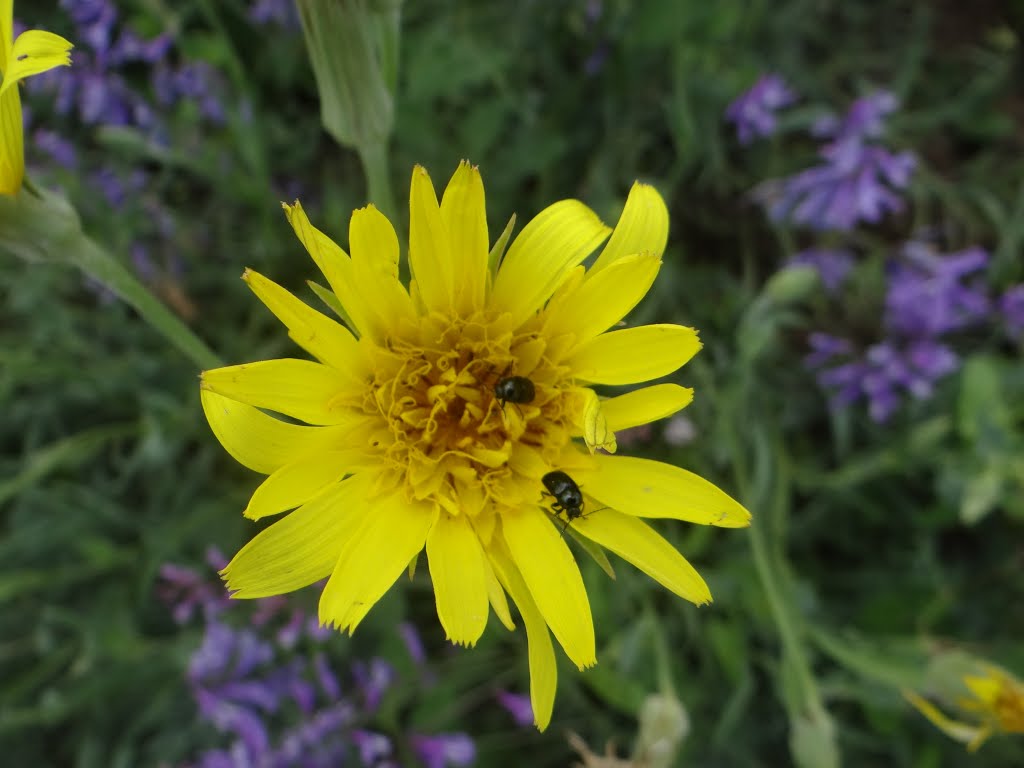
x,y
984,416
594,550
982,494
67,452
498,251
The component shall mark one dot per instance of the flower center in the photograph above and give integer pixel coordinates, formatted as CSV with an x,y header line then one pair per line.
x,y
447,435
1009,707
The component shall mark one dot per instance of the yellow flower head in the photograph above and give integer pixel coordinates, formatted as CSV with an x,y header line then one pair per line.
x,y
33,52
443,417
995,705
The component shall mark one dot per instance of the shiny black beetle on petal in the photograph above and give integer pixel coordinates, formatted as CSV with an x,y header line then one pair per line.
x,y
568,497
514,389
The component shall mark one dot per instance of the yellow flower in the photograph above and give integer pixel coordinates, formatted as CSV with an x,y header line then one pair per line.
x,y
33,52
996,705
409,446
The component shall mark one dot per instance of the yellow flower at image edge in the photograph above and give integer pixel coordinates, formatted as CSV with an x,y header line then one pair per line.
x,y
996,705
33,52
436,417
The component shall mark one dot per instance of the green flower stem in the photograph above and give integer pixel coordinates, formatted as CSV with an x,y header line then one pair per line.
x,y
772,576
40,226
99,264
374,156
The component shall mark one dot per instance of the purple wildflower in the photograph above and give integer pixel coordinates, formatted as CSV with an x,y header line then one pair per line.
x,y
753,113
280,12
517,705
373,747
413,644
326,677
60,150
94,22
857,182
373,680
824,347
116,188
131,47
926,300
926,297
832,266
865,119
445,749
186,592
1011,305
886,372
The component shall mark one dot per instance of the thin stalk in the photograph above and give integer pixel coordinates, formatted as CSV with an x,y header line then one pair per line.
x,y
374,157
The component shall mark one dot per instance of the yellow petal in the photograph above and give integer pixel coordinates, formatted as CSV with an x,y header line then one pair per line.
x,y
302,547
636,542
985,689
457,570
12,151
646,488
298,388
962,732
375,254
602,300
559,237
645,405
336,267
429,249
391,534
6,31
643,226
596,433
261,442
35,51
543,670
371,238
554,580
635,354
294,484
496,597
464,214
323,338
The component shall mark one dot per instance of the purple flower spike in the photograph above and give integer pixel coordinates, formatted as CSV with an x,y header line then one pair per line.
x,y
1011,305
832,266
882,374
373,680
373,747
59,149
445,749
518,706
865,119
753,113
186,592
926,297
857,182
413,644
326,677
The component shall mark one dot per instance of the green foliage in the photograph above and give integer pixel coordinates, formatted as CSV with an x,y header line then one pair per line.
x,y
872,544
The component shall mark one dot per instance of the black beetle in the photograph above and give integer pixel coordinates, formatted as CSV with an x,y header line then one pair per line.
x,y
514,389
568,497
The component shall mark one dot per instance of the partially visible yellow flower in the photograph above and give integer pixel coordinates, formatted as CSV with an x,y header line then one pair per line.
x,y
33,52
995,705
412,444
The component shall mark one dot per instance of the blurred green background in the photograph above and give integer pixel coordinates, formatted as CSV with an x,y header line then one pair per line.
x,y
108,469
